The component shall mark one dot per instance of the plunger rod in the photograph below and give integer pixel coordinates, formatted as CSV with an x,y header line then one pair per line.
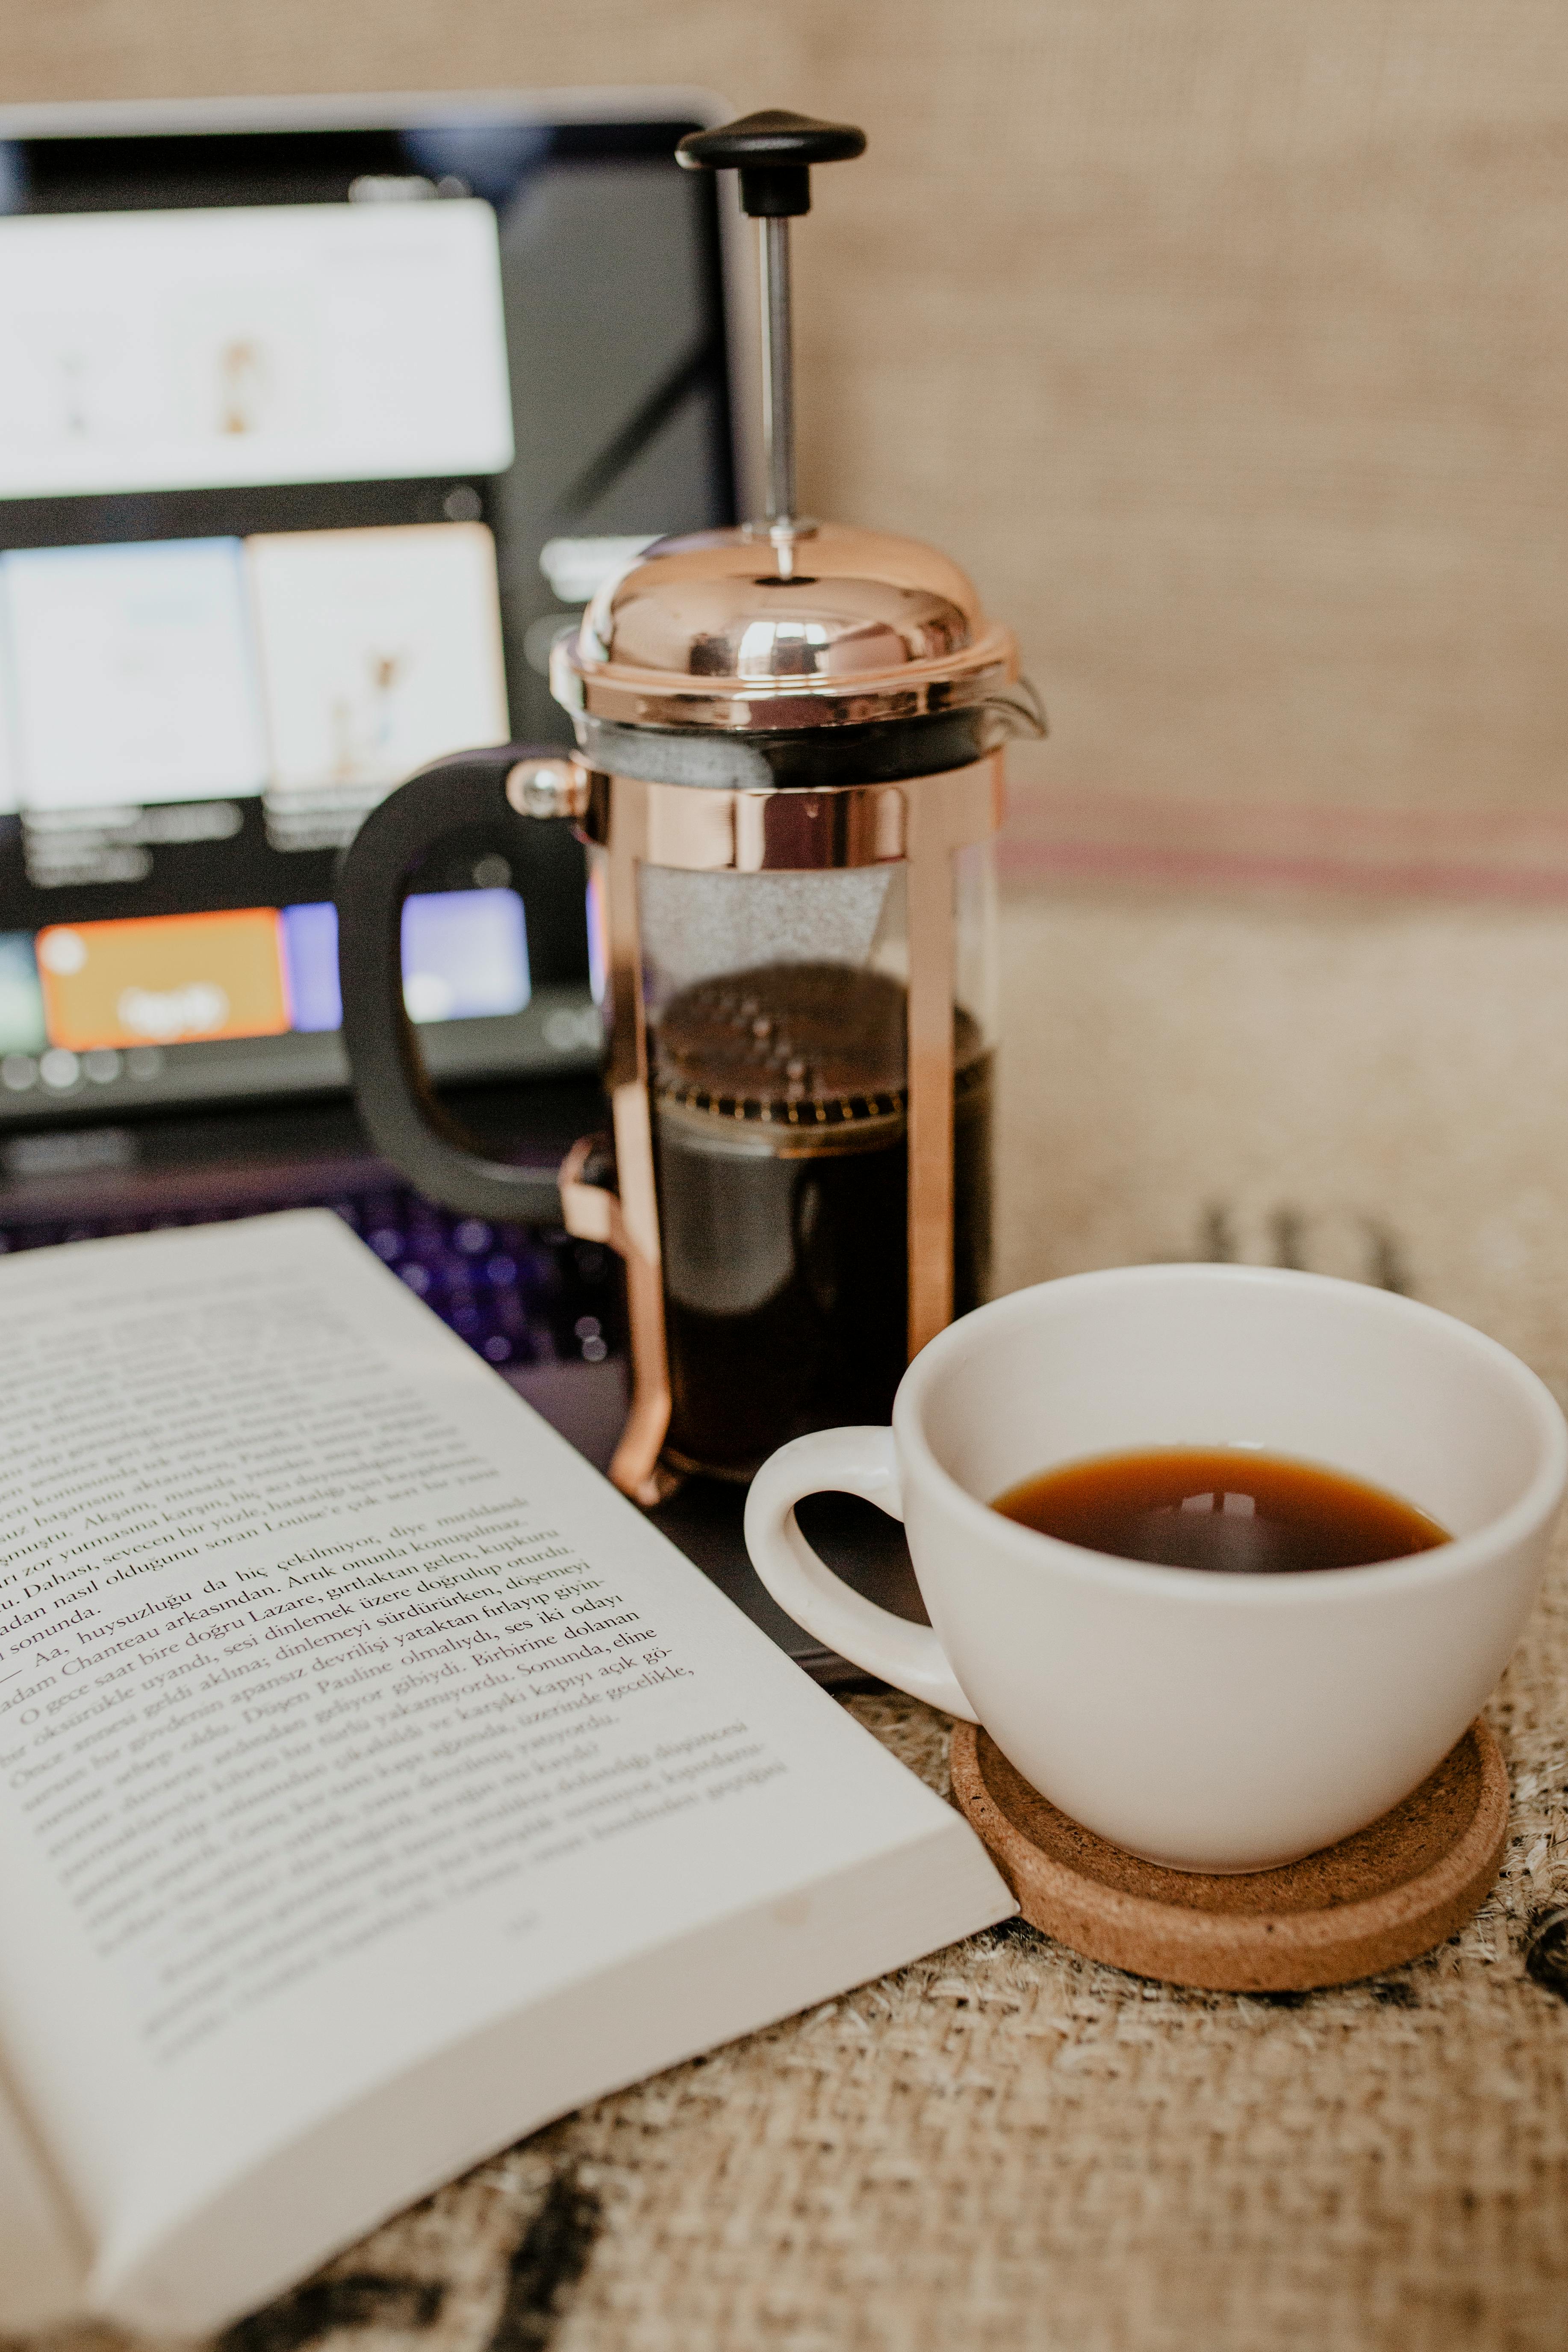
x,y
774,151
777,370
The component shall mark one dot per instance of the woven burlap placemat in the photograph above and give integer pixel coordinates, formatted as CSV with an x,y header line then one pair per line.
x,y
1003,2145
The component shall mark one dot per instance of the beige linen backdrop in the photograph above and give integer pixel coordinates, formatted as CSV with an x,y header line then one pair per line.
x,y
1224,342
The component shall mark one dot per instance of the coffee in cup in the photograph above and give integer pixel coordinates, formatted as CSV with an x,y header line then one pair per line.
x,y
1225,1510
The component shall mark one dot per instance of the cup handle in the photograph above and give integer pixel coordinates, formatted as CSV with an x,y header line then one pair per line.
x,y
842,1462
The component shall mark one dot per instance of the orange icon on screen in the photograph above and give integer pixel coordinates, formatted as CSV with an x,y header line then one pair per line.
x,y
164,980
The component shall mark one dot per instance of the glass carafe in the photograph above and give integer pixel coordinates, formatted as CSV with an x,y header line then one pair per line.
x,y
789,775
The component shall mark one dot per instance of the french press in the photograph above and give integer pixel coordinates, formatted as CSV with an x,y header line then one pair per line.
x,y
787,776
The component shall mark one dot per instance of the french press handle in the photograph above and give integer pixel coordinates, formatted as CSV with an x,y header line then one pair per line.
x,y
405,1121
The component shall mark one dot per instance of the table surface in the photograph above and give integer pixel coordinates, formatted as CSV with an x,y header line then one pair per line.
x,y
1003,2144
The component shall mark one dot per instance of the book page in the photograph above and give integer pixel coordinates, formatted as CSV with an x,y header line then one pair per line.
x,y
43,2261
343,1708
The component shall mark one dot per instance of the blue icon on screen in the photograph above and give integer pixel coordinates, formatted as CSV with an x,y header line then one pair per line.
x,y
464,956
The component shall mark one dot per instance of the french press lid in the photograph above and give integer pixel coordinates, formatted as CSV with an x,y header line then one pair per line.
x,y
784,625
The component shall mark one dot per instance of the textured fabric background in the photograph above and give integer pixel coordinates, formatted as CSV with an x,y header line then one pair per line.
x,y
1225,344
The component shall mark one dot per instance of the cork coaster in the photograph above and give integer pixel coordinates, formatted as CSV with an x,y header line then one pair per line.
x,y
1373,1901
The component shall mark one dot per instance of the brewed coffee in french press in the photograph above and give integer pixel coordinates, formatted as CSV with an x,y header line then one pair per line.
x,y
787,774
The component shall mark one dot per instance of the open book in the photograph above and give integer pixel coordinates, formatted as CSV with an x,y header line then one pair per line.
x,y
375,1783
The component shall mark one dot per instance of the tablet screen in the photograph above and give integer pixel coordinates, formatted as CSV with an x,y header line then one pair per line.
x,y
310,443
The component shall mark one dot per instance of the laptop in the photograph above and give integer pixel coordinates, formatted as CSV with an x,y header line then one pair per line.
x,y
318,420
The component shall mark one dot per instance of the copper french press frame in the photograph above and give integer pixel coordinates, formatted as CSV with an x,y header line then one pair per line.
x,y
920,824
828,698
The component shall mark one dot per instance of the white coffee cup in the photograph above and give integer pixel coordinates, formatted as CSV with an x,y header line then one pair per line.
x,y
1208,1722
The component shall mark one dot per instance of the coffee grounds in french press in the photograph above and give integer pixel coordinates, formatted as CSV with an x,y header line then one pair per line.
x,y
783,1133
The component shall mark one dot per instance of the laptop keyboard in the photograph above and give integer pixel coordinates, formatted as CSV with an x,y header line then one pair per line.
x,y
518,1296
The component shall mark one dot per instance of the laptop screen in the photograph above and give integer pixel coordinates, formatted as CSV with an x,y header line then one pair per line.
x,y
311,440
